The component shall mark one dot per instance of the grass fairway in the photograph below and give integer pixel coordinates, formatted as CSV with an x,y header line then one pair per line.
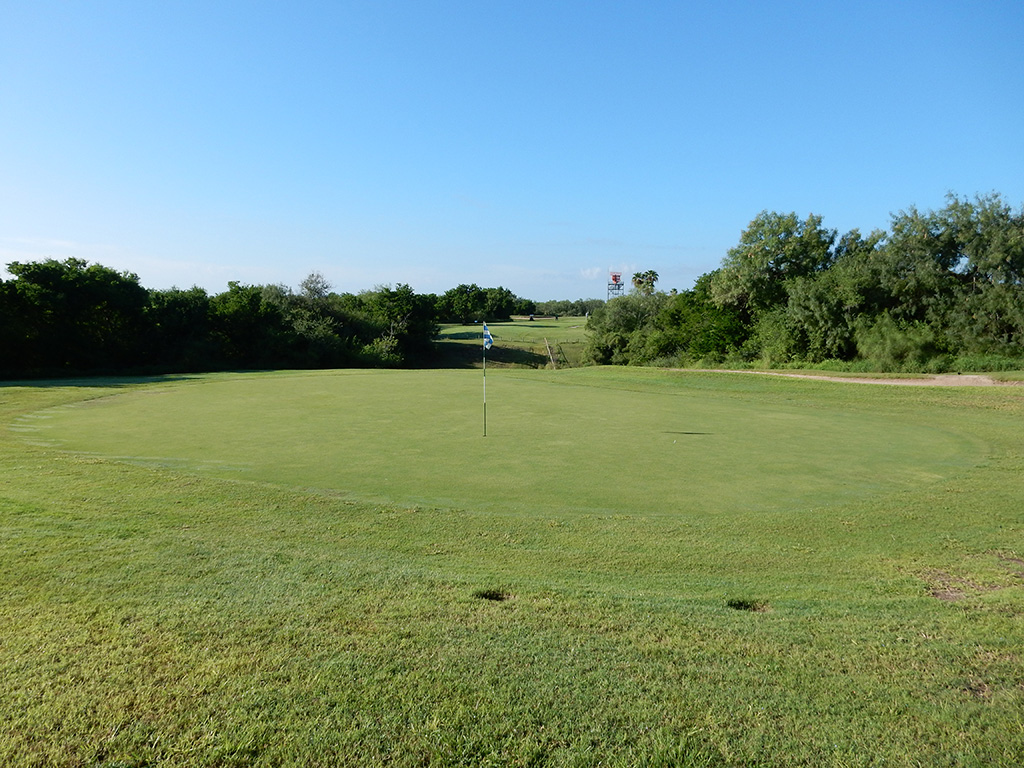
x,y
519,343
634,567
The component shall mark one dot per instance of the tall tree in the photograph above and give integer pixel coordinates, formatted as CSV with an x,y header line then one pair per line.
x,y
692,326
773,249
252,329
179,331
644,282
462,304
988,316
619,329
78,316
499,304
407,321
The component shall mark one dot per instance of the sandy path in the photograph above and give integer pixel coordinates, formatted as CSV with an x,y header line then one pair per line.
x,y
936,380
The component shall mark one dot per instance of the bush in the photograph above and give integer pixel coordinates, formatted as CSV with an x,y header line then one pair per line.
x,y
986,363
775,339
898,346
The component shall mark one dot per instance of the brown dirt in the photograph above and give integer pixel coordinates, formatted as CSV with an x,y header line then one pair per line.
x,y
979,689
945,586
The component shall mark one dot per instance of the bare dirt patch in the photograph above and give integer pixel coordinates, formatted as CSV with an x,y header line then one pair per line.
x,y
979,689
945,586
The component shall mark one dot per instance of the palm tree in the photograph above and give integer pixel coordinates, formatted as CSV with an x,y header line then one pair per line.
x,y
644,282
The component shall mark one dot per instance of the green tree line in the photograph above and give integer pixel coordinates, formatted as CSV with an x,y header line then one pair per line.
x,y
69,317
940,290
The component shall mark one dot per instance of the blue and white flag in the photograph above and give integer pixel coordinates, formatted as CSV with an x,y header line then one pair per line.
x,y
488,341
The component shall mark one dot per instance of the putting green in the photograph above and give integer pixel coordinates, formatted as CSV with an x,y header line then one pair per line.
x,y
587,440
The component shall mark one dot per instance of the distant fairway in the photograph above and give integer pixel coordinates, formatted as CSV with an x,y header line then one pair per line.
x,y
518,343
576,441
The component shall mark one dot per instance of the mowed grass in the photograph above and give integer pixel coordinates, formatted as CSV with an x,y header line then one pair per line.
x,y
518,343
634,567
577,442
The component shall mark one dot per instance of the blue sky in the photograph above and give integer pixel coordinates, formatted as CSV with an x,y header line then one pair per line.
x,y
533,145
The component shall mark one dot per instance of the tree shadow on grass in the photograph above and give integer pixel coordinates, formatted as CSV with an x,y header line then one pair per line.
x,y
453,354
97,381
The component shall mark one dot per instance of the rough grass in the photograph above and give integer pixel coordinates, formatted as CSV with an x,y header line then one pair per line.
x,y
181,615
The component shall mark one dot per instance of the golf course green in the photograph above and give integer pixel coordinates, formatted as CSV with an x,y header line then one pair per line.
x,y
573,442
632,567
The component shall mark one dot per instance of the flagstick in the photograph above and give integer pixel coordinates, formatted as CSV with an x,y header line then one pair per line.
x,y
487,343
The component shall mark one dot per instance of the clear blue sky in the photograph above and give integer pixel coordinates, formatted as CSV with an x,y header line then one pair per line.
x,y
533,145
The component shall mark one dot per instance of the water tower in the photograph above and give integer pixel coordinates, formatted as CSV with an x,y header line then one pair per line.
x,y
615,285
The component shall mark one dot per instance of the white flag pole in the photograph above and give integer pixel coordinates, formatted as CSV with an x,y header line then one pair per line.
x,y
487,343
485,390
